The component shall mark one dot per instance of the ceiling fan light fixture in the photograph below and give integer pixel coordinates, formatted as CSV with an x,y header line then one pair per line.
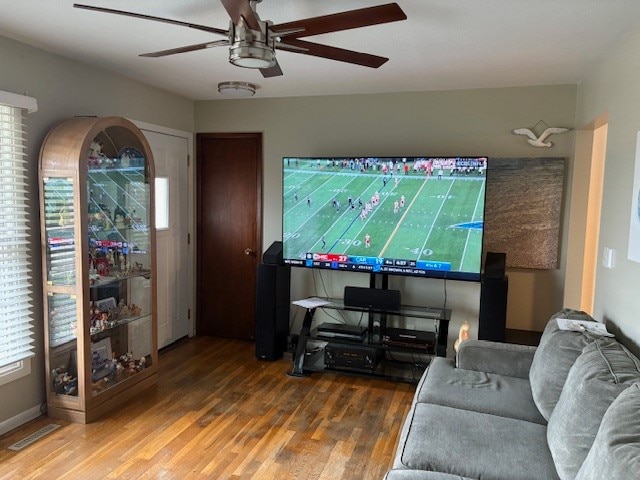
x,y
252,56
237,89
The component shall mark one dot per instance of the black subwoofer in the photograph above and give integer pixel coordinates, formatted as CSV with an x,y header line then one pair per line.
x,y
494,288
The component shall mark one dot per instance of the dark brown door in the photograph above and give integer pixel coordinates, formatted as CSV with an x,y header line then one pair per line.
x,y
229,179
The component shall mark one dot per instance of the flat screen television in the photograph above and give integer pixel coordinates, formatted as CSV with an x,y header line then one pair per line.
x,y
418,216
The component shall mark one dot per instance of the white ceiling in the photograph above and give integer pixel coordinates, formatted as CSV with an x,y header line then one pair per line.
x,y
443,45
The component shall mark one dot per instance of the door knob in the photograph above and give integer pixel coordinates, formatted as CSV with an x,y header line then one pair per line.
x,y
248,251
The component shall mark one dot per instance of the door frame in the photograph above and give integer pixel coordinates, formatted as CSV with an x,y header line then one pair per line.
x,y
584,214
259,200
191,245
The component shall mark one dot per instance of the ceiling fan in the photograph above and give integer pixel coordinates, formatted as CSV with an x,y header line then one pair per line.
x,y
252,42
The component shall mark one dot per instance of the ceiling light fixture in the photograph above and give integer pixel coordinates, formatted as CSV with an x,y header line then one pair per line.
x,y
251,48
237,89
252,56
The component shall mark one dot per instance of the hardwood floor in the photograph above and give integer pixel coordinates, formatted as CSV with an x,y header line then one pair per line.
x,y
218,413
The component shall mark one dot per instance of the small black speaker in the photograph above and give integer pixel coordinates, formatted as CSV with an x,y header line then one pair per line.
x,y
493,309
272,310
373,298
494,265
273,254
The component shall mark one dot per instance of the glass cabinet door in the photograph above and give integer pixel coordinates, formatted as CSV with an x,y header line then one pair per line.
x,y
59,219
60,252
118,217
63,343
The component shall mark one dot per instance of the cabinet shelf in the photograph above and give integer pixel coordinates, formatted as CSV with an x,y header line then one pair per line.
x,y
117,230
104,281
113,324
64,228
98,248
138,170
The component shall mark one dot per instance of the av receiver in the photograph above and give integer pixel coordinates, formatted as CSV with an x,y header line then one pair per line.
x,y
362,357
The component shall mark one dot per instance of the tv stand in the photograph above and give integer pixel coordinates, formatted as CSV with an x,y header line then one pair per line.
x,y
374,344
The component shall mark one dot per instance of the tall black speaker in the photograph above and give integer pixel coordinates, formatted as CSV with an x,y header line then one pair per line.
x,y
273,254
493,299
272,310
494,265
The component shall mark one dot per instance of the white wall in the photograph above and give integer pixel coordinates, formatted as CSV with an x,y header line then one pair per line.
x,y
465,122
611,89
64,88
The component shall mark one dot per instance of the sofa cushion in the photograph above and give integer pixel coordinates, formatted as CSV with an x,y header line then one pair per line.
x,y
478,391
615,454
603,371
475,445
557,351
421,475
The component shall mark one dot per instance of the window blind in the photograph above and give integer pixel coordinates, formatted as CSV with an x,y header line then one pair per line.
x,y
16,336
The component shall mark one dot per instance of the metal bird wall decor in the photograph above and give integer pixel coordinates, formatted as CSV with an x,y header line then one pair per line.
x,y
539,141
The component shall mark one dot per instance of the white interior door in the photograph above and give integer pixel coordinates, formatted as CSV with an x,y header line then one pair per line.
x,y
170,154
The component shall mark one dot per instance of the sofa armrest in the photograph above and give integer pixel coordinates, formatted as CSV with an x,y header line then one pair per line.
x,y
494,357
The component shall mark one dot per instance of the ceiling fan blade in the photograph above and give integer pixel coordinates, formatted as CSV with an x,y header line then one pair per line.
x,y
238,9
155,19
362,17
332,53
274,71
290,48
188,48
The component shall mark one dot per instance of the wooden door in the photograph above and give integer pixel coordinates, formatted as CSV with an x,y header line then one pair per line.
x,y
229,215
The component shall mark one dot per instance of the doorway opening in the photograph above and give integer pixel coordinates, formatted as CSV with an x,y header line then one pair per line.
x,y
594,211
585,213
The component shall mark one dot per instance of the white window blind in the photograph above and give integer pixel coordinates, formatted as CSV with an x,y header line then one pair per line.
x,y
16,338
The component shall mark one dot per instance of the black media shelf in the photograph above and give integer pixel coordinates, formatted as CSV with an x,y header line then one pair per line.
x,y
383,353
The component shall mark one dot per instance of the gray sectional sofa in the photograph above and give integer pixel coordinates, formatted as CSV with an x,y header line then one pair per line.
x,y
568,409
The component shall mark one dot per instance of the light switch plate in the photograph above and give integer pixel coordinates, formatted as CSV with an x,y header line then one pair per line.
x,y
608,257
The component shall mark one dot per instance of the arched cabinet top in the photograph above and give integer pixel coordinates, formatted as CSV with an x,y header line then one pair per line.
x,y
68,145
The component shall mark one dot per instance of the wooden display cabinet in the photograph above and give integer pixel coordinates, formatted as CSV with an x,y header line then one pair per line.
x,y
99,266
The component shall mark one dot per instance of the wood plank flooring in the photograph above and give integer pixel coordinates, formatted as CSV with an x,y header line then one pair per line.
x,y
218,413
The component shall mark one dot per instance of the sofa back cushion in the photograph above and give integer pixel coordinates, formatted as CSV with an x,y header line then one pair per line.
x,y
615,454
602,372
555,355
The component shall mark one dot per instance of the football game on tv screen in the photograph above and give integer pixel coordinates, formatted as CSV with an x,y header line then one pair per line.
x,y
420,216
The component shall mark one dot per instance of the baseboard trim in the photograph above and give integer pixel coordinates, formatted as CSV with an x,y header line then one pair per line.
x,y
20,419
